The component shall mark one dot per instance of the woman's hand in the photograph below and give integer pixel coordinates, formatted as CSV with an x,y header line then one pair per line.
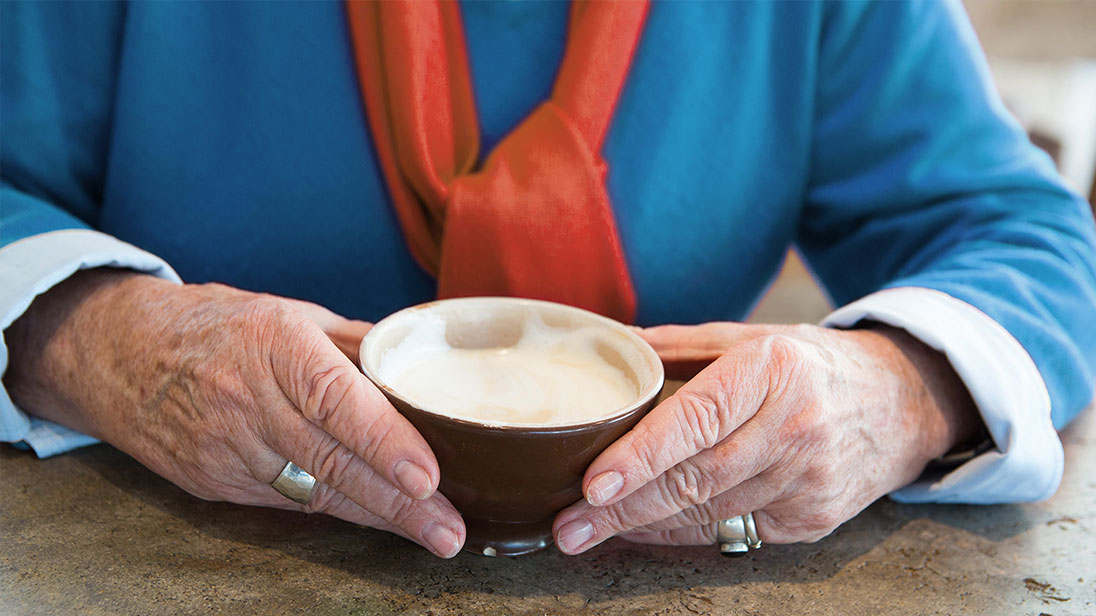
x,y
215,389
802,426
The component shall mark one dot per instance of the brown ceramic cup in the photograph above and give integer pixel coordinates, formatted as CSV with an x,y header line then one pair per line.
x,y
509,481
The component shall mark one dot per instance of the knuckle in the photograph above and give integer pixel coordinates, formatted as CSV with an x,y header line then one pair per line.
x,y
706,533
371,436
642,452
334,465
807,425
783,352
618,518
797,368
379,499
327,388
685,486
614,519
326,405
400,512
700,515
700,418
324,499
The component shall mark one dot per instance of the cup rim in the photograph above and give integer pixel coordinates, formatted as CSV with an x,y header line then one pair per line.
x,y
645,396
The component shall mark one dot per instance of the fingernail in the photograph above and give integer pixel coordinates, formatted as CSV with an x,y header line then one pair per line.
x,y
441,539
413,480
604,487
573,534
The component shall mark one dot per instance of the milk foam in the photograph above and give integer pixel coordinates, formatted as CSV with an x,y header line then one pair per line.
x,y
551,376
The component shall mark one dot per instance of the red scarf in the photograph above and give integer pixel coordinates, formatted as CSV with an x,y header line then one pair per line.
x,y
536,220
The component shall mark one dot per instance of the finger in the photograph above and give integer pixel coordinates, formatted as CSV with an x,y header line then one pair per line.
x,y
254,488
707,341
343,507
344,479
749,496
347,336
706,534
685,350
723,481
699,415
336,397
690,535
783,512
340,506
702,530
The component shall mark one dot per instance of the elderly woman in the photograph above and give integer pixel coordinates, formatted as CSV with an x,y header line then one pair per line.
x,y
652,163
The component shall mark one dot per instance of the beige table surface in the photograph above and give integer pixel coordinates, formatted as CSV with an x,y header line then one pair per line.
x,y
93,532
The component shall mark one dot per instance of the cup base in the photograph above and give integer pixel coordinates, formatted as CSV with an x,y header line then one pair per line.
x,y
507,538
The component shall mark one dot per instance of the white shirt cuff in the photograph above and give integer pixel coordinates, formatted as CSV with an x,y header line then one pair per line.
x,y
30,267
1003,382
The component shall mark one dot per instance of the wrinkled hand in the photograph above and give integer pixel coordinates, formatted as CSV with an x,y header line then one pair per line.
x,y
801,425
215,388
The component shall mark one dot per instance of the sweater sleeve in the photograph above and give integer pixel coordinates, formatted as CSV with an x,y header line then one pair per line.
x,y
921,179
58,71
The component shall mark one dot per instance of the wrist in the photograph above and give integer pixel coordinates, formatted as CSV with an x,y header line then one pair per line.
x,y
58,340
943,416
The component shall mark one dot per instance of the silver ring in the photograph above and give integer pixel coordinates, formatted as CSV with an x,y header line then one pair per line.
x,y
738,535
295,484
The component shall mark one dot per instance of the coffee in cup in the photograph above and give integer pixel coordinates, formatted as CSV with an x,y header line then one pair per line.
x,y
549,376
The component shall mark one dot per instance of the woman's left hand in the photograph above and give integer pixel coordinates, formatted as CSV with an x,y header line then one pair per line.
x,y
803,426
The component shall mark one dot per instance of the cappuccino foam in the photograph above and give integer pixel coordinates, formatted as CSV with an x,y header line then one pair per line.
x,y
551,376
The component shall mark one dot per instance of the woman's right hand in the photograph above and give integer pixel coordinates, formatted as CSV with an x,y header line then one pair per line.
x,y
215,389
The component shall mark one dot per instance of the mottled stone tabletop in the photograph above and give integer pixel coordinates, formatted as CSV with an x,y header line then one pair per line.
x,y
93,532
